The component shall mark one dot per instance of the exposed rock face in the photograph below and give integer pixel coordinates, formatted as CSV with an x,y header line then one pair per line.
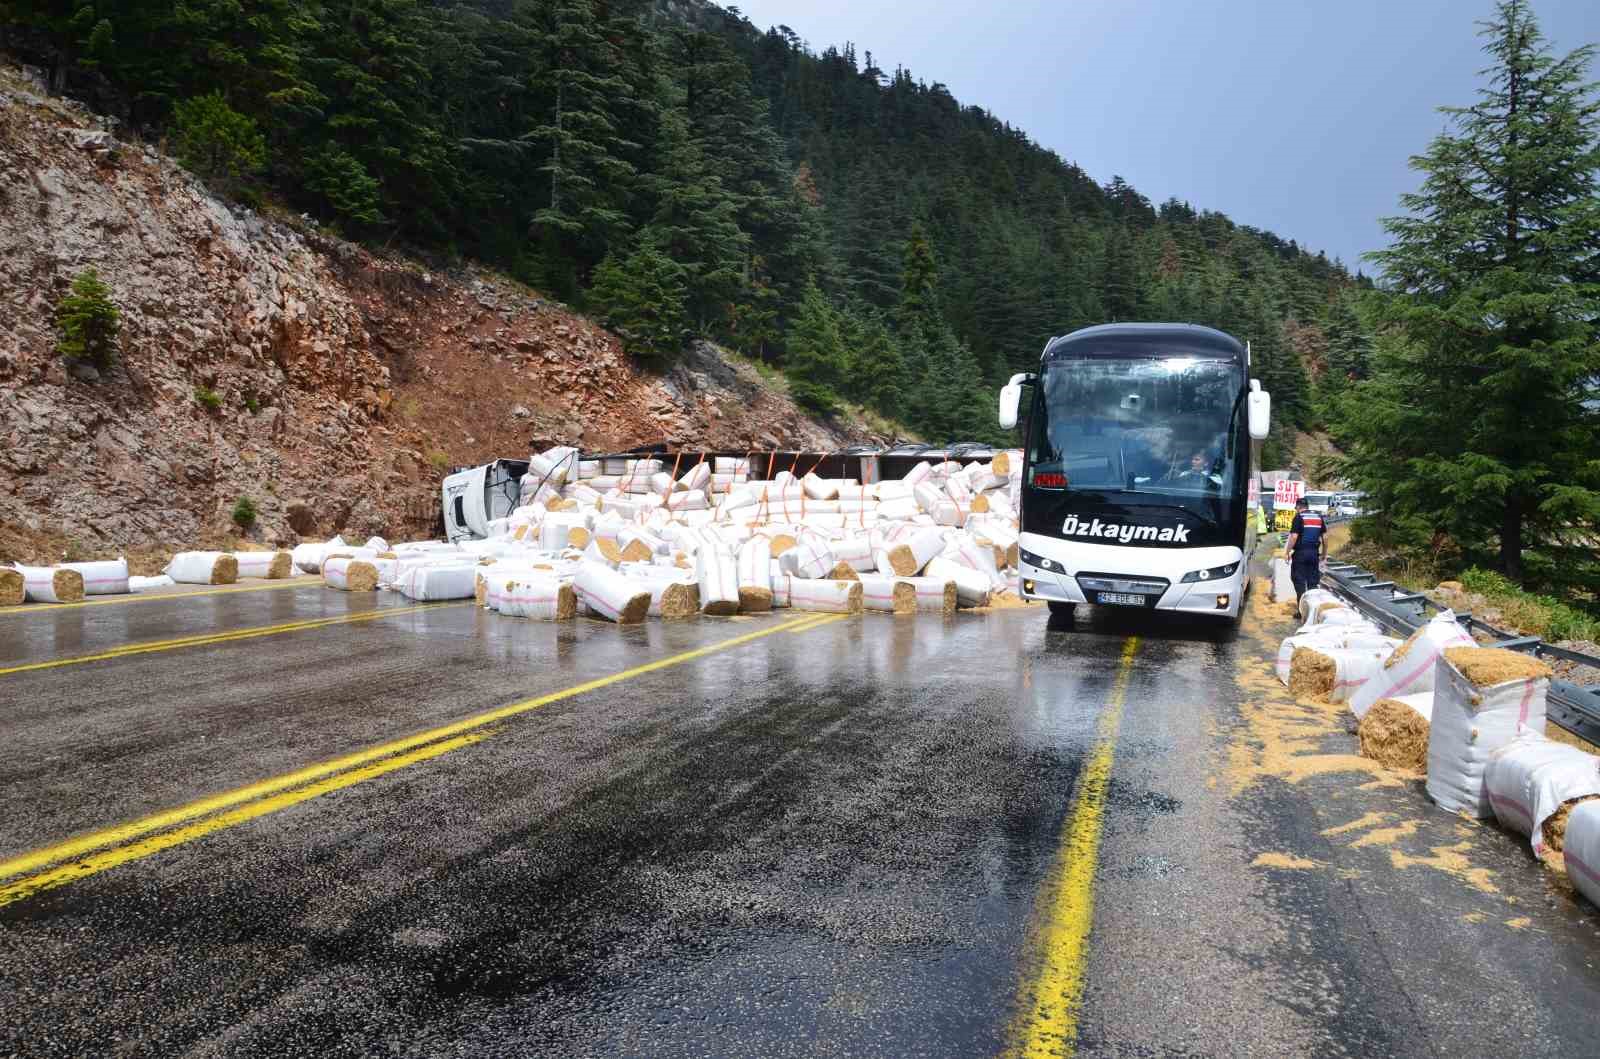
x,y
347,382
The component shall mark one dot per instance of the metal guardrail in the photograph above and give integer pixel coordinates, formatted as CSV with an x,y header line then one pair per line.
x,y
1574,708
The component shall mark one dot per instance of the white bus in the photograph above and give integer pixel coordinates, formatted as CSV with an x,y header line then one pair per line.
x,y
1142,443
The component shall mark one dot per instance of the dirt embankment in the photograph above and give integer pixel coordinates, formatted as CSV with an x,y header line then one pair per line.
x,y
261,358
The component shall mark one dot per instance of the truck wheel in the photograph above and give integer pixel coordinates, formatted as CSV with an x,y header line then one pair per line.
x,y
1062,612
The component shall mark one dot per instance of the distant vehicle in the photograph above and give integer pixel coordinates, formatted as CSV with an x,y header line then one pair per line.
x,y
1319,502
1142,443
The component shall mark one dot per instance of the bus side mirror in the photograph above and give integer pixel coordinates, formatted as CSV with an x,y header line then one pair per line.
x,y
1259,409
1009,396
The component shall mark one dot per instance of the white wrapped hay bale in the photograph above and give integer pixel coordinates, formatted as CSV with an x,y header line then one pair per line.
x,y
696,478
272,566
811,557
825,596
103,577
1333,674
310,556
717,574
910,557
438,582
539,597
855,550
917,475
149,584
1531,779
611,595
973,589
888,594
203,568
1582,849
50,584
1410,668
1281,589
1314,599
935,595
755,575
1483,698
1328,637
349,574
553,466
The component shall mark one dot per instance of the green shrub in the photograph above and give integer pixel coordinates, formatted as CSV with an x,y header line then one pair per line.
x,y
251,404
216,141
244,513
438,459
208,398
88,321
1543,616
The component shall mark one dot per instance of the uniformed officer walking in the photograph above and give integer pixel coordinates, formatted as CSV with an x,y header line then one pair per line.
x,y
1307,547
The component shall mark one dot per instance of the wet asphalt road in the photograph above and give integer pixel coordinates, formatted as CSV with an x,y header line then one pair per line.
x,y
824,840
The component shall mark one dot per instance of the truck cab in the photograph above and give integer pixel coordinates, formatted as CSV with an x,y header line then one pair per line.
x,y
475,496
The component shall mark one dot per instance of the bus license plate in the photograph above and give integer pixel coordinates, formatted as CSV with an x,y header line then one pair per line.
x,y
1122,599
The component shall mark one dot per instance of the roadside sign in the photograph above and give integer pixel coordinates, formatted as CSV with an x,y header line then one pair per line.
x,y
1286,492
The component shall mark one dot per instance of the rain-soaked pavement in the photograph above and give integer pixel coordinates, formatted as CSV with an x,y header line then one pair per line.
x,y
795,836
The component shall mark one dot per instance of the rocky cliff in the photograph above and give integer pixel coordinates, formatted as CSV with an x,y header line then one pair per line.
x,y
346,382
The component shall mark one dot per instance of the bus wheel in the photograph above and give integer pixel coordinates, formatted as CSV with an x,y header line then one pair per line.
x,y
1062,612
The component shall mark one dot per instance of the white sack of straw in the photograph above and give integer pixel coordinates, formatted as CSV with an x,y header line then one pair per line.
x,y
104,577
438,582
1531,777
553,466
50,584
610,594
1411,667
540,597
273,566
348,574
697,477
149,584
1582,849
755,564
825,596
1482,700
717,573
973,589
855,550
810,558
203,568
890,595
935,595
916,475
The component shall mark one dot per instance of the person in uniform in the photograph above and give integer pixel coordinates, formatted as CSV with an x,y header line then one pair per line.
x,y
1307,548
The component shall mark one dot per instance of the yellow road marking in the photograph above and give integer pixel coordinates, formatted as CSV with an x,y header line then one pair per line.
x,y
107,601
111,858
122,834
202,639
1049,1027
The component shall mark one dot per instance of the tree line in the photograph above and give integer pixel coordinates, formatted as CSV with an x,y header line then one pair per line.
x,y
686,174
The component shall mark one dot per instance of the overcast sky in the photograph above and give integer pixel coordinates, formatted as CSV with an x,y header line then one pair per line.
x,y
1296,116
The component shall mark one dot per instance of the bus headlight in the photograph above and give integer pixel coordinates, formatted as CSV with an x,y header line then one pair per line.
x,y
1041,562
1213,574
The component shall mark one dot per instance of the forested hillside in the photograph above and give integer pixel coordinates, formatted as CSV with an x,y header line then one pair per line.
x,y
679,172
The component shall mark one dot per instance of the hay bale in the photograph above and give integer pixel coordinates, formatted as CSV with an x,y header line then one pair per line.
x,y
203,568
577,537
1485,667
272,566
1555,825
1311,673
843,571
637,551
361,576
51,584
1395,736
782,542
1323,609
12,591
980,504
888,594
674,600
754,599
1001,466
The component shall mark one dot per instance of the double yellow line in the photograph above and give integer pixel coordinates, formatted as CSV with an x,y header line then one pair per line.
x,y
202,639
98,851
157,597
1048,1027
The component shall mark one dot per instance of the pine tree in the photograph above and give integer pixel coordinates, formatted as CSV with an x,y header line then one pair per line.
x,y
815,364
89,321
642,298
1479,419
695,225
878,369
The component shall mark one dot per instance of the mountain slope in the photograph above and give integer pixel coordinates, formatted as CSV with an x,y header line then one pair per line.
x,y
346,381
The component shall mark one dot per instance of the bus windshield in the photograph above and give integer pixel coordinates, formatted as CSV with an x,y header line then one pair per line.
x,y
1165,426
